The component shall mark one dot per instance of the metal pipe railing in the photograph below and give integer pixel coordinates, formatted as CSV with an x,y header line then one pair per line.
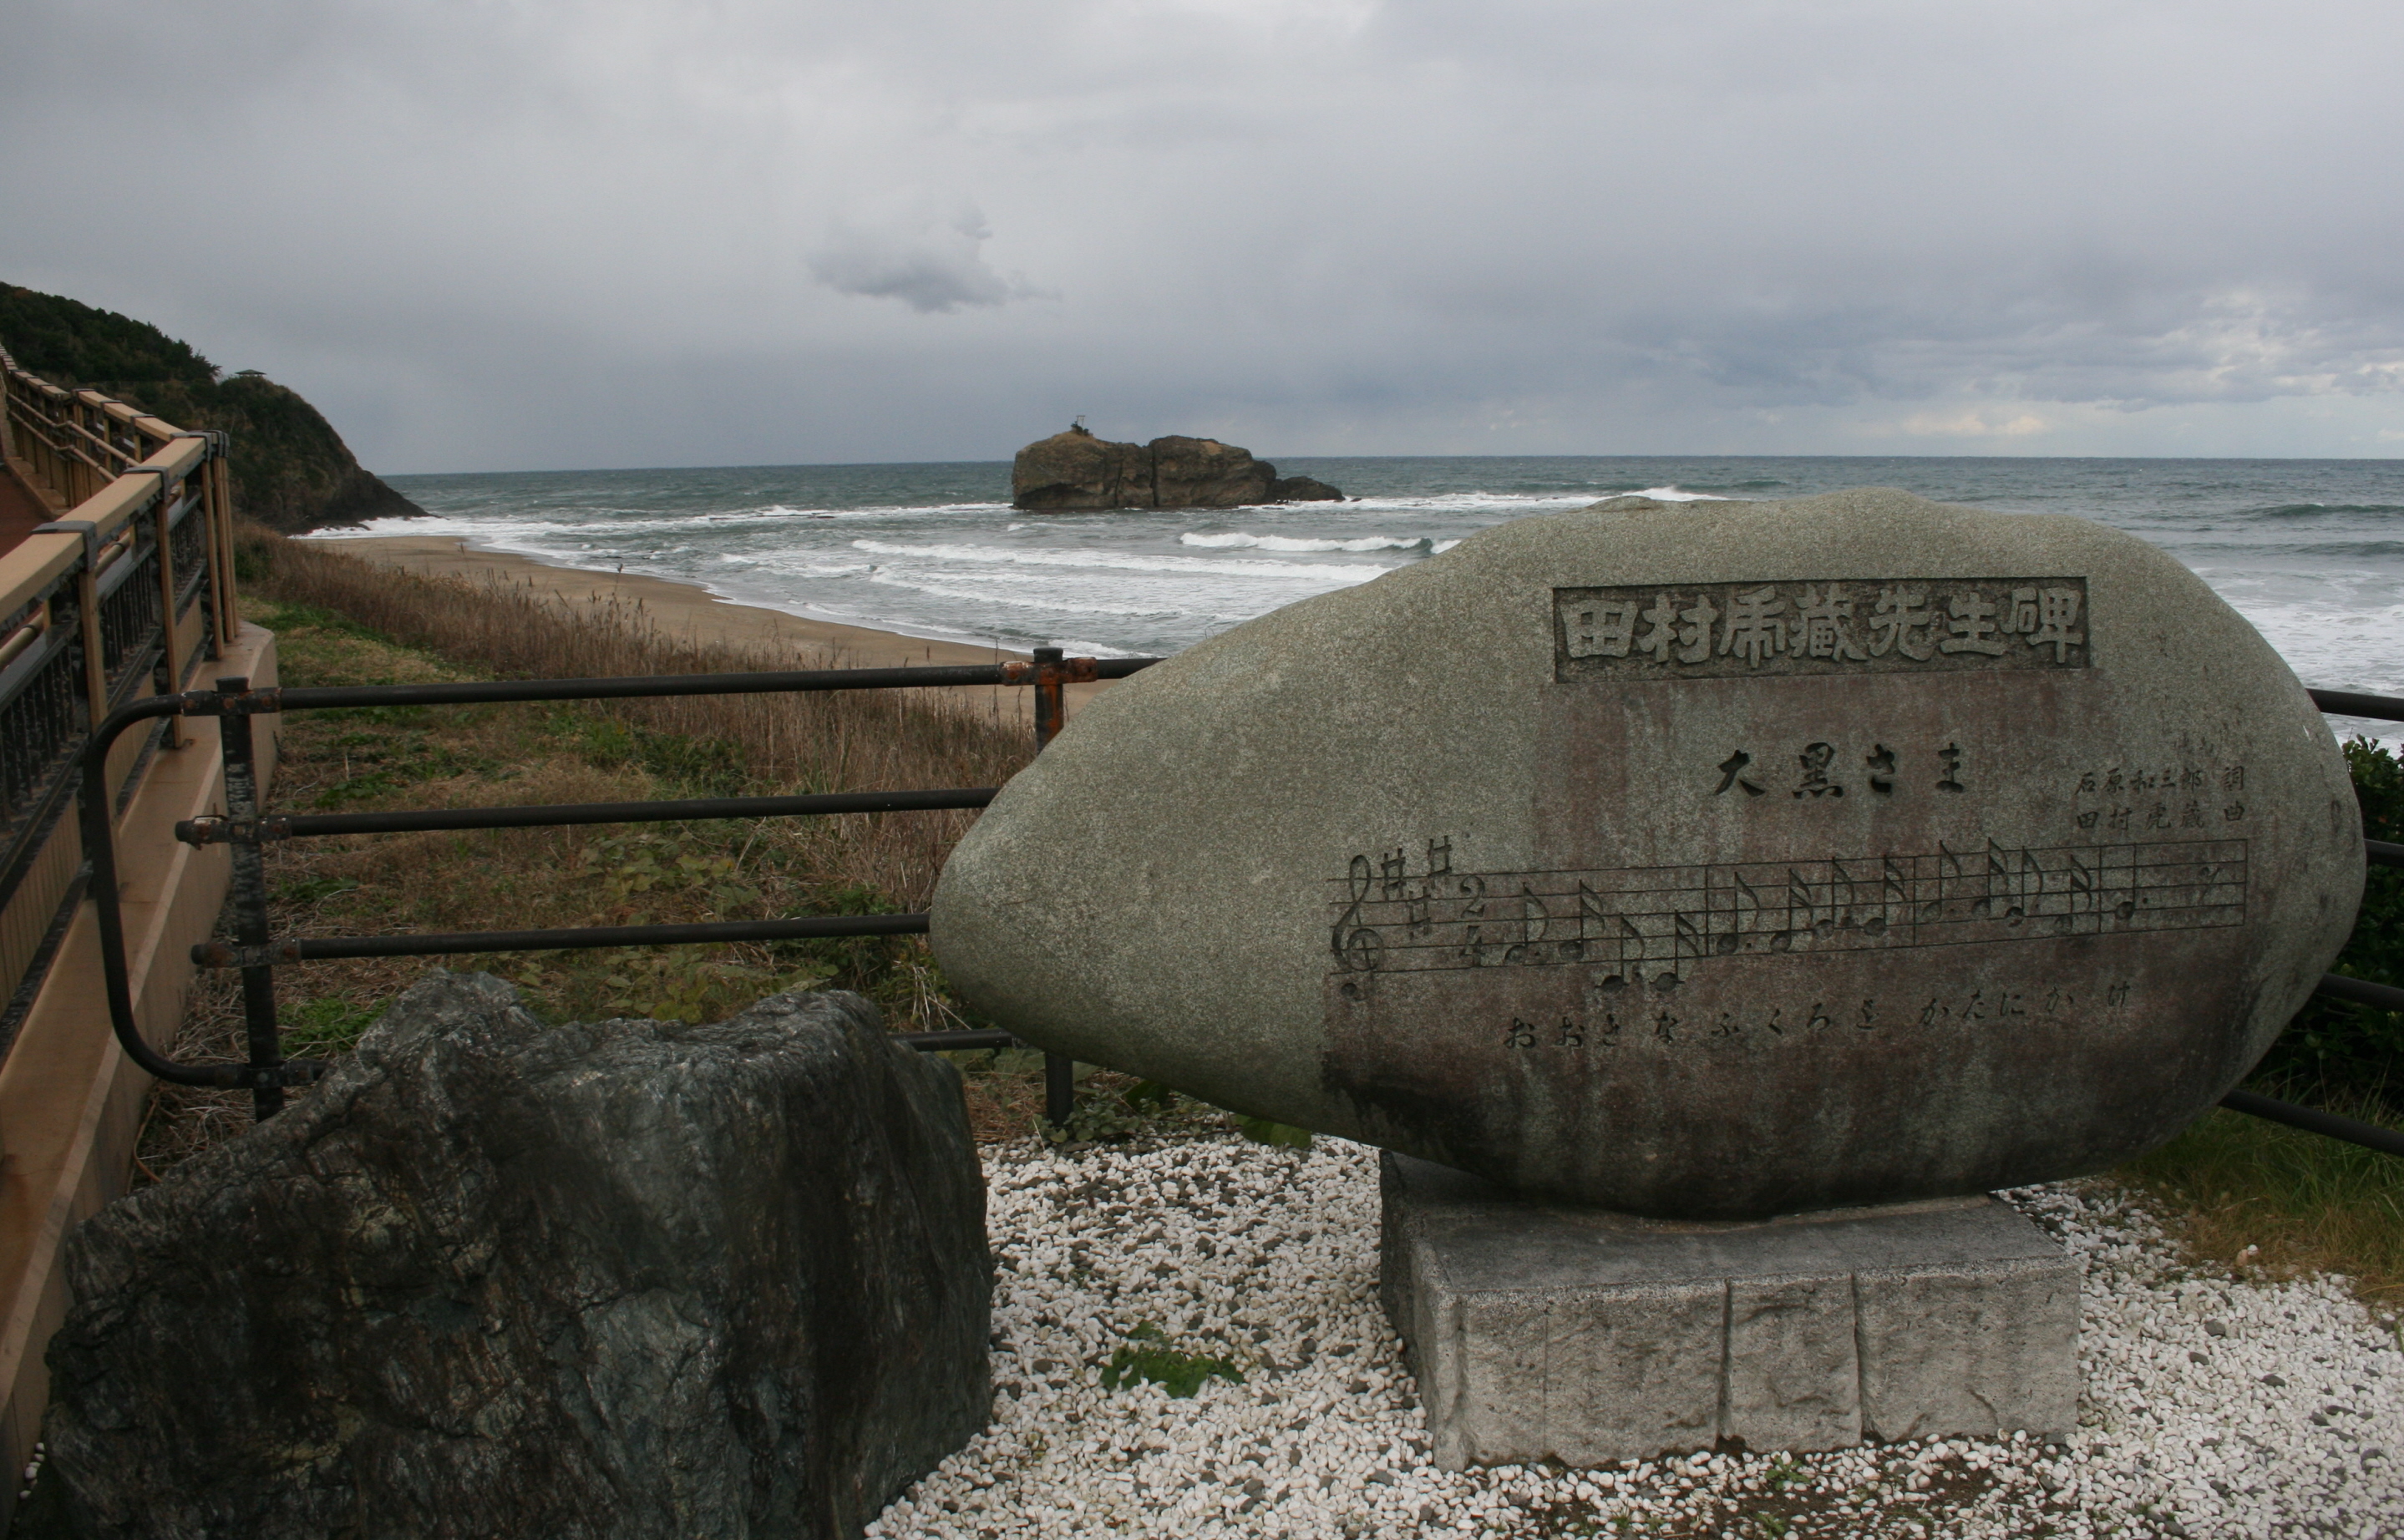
x,y
206,831
246,830
2313,1120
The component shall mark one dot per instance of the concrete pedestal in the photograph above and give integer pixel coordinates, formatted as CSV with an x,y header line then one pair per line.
x,y
1543,1332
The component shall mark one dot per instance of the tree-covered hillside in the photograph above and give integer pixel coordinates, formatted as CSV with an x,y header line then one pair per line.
x,y
290,468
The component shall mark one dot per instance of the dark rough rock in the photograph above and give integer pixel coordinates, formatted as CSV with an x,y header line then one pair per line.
x,y
1074,472
1303,489
291,470
625,1279
1203,473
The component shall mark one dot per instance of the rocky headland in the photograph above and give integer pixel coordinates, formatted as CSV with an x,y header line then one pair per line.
x,y
1074,472
291,470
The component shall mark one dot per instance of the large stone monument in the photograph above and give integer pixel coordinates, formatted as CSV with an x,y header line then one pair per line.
x,y
1700,864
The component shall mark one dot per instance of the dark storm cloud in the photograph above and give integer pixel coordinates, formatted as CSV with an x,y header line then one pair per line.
x,y
932,265
538,233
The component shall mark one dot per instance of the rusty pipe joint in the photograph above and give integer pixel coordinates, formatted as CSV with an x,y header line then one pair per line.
x,y
1067,671
212,830
226,955
244,702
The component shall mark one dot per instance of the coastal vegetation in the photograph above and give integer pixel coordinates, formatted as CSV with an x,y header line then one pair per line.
x,y
291,469
2248,1197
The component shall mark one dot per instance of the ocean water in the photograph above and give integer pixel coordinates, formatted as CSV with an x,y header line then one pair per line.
x,y
2311,551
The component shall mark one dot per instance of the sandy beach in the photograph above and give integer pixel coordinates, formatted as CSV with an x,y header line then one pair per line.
x,y
683,609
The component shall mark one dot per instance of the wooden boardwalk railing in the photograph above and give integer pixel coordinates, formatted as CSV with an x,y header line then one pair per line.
x,y
125,595
124,590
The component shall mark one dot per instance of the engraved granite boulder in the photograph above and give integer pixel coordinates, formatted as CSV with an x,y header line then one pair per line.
x,y
1714,861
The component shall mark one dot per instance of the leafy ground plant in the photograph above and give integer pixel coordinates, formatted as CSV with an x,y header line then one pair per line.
x,y
1118,1109
1147,1354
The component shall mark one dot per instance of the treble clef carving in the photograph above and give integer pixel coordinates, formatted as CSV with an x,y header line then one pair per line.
x,y
1356,946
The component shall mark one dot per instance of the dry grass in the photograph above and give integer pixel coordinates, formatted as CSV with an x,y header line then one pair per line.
x,y
870,739
2256,1198
340,621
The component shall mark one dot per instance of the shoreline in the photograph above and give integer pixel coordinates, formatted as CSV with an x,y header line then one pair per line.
x,y
689,610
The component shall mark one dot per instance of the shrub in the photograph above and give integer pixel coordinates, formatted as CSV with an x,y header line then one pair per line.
x,y
2331,1048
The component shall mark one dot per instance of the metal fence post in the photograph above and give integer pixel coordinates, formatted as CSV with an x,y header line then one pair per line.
x,y
250,895
1059,1070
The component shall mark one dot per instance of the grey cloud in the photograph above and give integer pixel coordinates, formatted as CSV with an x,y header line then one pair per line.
x,y
484,236
930,267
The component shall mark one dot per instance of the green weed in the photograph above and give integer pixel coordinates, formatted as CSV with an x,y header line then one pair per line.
x,y
329,1024
1147,1355
703,767
1263,1131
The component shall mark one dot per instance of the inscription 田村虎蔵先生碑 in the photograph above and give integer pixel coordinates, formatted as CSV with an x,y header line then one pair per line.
x,y
1646,920
1883,625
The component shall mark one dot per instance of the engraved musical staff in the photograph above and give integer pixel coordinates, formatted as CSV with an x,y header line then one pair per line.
x,y
1651,921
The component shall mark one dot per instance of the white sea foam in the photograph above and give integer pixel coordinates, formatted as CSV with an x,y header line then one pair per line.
x,y
1484,507
1487,506
1334,576
778,510
1237,541
1677,495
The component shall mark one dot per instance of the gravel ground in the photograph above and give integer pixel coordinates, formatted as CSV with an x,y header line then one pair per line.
x,y
2212,1407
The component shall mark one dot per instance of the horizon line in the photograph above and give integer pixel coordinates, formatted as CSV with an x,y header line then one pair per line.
x,y
868,464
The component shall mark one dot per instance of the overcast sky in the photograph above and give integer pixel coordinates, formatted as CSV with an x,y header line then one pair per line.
x,y
528,234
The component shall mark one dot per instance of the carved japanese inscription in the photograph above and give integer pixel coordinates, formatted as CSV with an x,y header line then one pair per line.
x,y
1886,625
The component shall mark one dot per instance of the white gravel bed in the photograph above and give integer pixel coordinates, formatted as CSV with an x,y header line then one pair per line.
x,y
2212,1407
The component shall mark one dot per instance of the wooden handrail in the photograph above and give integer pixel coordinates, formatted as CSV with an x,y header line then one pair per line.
x,y
127,488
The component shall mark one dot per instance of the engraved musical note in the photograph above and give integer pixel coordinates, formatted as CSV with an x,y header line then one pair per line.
x,y
1742,897
1895,891
1841,892
1535,919
1802,902
1686,940
1631,952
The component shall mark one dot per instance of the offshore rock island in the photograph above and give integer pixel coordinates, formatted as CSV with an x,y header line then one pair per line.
x,y
1075,472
